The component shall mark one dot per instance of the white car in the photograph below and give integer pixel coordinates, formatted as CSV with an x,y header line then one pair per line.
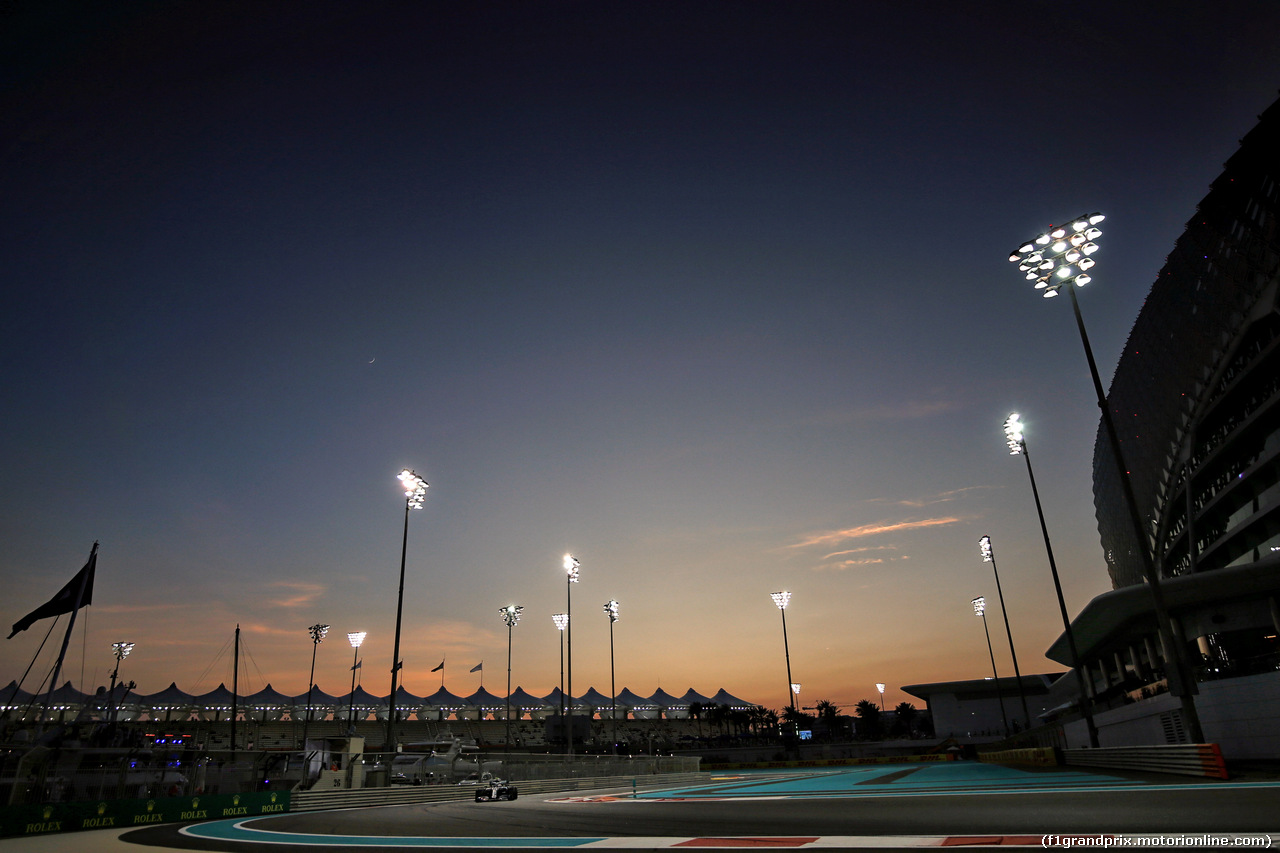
x,y
495,790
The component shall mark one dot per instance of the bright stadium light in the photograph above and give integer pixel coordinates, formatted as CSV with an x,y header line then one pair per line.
x,y
318,632
511,616
782,599
611,610
121,651
356,639
1052,261
989,556
1018,446
1178,671
571,565
415,489
562,622
980,609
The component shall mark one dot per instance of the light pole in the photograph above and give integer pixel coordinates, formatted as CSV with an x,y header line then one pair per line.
x,y
980,609
562,622
510,615
317,634
415,489
1018,446
355,638
121,651
880,687
611,610
782,599
1062,257
989,556
571,565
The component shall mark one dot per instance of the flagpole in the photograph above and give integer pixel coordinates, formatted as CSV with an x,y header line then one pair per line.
x,y
66,639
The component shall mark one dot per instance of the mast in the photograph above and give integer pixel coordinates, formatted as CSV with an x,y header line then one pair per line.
x,y
66,639
235,688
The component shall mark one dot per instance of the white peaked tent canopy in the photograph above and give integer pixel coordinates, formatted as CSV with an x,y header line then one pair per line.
x,y
169,704
692,696
268,705
524,703
724,698
442,704
671,707
321,704
366,703
641,708
216,704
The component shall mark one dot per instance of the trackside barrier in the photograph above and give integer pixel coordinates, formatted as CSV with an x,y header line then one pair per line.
x,y
1039,756
308,801
1191,759
830,762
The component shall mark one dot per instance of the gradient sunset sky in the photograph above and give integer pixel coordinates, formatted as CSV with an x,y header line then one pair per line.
x,y
713,295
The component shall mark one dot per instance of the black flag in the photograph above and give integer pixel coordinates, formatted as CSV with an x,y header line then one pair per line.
x,y
69,599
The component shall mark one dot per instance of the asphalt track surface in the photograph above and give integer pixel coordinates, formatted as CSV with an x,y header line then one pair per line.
x,y
900,806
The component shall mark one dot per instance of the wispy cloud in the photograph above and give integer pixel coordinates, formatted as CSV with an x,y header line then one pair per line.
x,y
832,537
862,550
845,565
941,497
297,593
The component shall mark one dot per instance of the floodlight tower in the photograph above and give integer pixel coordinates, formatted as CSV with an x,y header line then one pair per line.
x,y
1060,259
510,615
989,556
611,610
782,599
317,632
561,621
571,565
121,651
355,638
980,609
415,491
1017,445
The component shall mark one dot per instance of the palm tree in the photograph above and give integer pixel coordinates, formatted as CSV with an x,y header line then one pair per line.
x,y
906,715
869,713
695,711
796,719
828,711
718,715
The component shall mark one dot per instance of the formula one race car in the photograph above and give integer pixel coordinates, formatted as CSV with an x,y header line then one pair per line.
x,y
495,790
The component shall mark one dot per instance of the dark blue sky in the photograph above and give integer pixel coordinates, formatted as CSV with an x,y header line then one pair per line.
x,y
712,294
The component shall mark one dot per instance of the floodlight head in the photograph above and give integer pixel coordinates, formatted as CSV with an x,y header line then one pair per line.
x,y
980,606
782,599
561,620
985,545
571,567
121,650
1062,252
317,632
611,608
415,488
511,614
1013,433
795,688
880,687
355,638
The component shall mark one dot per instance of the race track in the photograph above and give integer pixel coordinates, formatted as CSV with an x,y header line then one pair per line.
x,y
884,806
